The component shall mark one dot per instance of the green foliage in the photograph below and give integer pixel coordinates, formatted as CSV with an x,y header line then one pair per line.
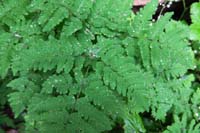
x,y
195,32
86,65
182,125
5,120
195,26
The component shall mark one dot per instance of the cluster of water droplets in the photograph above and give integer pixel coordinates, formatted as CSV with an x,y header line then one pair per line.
x,y
168,3
93,52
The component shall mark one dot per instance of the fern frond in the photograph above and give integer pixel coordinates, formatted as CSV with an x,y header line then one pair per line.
x,y
12,11
52,13
80,65
54,108
41,109
82,8
106,20
45,57
61,83
143,20
94,116
5,120
26,89
104,98
56,18
71,27
6,53
180,125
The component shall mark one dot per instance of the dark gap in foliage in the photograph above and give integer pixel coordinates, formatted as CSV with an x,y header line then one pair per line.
x,y
32,15
7,110
94,41
136,8
117,129
180,12
5,27
58,29
153,125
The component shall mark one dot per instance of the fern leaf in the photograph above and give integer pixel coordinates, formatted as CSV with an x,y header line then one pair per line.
x,y
56,18
6,53
143,18
134,123
61,84
26,89
18,106
5,120
195,26
12,11
105,20
71,27
47,58
104,98
94,116
52,13
180,126
41,109
82,8
77,124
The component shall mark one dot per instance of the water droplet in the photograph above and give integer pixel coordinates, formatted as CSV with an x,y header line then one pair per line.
x,y
17,35
196,114
124,14
168,5
159,17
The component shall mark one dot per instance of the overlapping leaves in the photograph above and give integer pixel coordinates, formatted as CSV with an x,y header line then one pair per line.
x,y
91,64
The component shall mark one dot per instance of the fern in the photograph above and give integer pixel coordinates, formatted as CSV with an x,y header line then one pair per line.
x,y
48,19
84,65
181,126
195,12
5,120
52,58
6,52
12,12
